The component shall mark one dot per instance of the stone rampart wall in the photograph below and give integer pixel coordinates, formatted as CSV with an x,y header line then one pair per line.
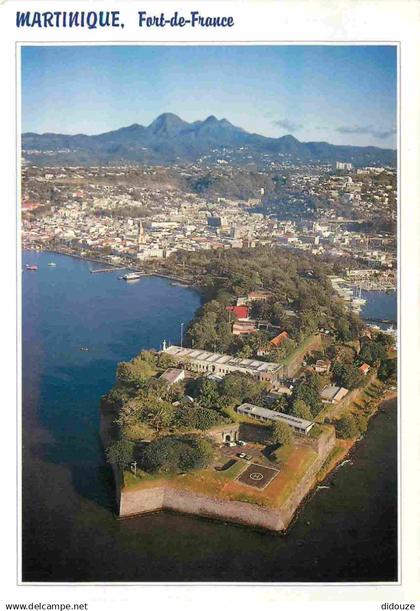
x,y
307,482
136,501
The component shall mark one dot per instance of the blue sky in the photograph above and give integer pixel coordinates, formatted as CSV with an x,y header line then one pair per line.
x,y
340,94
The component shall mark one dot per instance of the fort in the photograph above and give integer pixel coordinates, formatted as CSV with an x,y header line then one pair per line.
x,y
238,498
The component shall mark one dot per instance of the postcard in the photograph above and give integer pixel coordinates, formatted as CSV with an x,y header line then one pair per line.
x,y
213,212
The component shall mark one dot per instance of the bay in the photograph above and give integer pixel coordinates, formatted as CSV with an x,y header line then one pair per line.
x,y
380,305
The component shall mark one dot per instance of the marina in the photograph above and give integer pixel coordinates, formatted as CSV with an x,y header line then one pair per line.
x,y
376,307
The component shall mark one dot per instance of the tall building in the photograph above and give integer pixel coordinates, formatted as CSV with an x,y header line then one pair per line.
x,y
340,165
140,235
216,221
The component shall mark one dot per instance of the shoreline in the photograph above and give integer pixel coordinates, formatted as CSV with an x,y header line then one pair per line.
x,y
187,283
351,450
388,396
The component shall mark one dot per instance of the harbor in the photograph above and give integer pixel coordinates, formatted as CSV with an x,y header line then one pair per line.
x,y
376,306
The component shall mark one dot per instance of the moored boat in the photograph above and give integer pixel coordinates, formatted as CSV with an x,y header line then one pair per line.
x,y
131,276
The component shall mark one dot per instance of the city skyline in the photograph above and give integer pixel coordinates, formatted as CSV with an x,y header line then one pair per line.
x,y
340,94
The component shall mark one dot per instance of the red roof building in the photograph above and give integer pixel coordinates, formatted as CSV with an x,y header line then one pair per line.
x,y
279,339
276,342
364,369
241,312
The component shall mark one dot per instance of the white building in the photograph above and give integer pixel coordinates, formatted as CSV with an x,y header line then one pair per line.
x,y
340,165
333,394
299,425
203,362
172,376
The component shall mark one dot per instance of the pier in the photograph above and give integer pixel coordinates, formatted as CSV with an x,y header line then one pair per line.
x,y
106,269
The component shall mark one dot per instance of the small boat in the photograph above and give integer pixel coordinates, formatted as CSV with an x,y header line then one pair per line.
x,y
32,268
132,276
323,488
84,349
52,264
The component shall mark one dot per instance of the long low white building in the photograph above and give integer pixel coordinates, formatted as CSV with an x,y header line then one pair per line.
x,y
203,361
299,425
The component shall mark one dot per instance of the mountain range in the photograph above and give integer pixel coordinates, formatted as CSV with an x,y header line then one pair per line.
x,y
169,139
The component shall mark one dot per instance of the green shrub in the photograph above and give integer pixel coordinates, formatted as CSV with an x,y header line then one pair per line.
x,y
281,434
120,453
347,428
199,418
172,454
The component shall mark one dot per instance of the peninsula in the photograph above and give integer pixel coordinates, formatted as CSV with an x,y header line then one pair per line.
x,y
272,383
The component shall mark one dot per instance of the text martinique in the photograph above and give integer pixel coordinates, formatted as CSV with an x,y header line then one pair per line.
x,y
111,19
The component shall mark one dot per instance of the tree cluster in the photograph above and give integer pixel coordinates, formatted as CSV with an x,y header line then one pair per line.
x,y
235,388
174,454
281,434
351,425
301,299
346,375
375,351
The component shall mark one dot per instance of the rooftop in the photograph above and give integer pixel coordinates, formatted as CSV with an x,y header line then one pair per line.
x,y
172,375
222,359
279,339
269,414
333,393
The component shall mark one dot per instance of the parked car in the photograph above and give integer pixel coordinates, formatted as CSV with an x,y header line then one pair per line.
x,y
241,455
248,457
241,443
230,444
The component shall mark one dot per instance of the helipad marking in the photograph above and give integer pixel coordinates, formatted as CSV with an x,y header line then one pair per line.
x,y
256,476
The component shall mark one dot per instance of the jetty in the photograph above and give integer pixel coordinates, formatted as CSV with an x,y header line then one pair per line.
x,y
106,269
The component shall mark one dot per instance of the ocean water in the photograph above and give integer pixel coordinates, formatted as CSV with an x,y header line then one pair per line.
x,y
344,533
380,305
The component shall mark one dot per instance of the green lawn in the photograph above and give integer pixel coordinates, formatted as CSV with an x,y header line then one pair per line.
x,y
316,431
302,348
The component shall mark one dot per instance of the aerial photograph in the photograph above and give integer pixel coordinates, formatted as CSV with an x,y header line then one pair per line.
x,y
209,280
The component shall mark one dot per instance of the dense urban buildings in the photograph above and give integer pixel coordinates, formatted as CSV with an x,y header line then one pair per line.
x,y
132,215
